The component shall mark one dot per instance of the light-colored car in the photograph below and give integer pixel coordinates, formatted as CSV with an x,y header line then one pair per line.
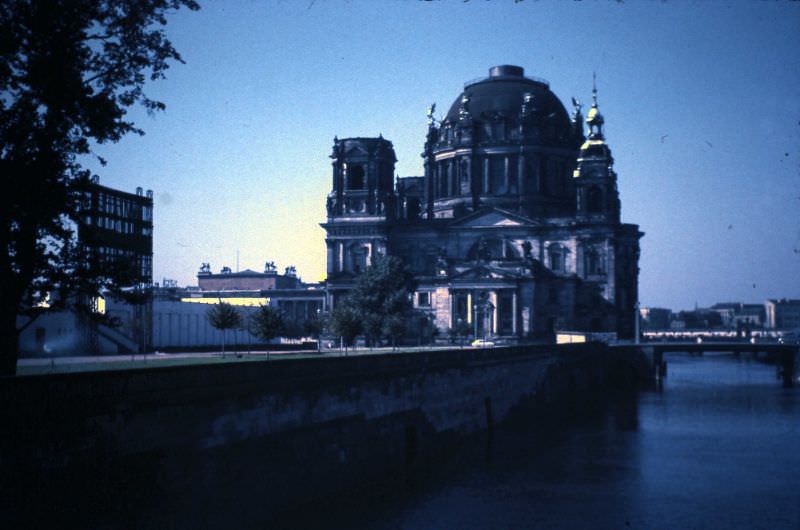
x,y
481,343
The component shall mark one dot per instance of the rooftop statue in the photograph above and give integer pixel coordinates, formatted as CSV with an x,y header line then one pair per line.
x,y
431,118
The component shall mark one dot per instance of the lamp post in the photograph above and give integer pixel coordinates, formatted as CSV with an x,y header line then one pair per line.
x,y
319,330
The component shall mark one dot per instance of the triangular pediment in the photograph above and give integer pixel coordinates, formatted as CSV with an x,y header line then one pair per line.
x,y
492,217
357,150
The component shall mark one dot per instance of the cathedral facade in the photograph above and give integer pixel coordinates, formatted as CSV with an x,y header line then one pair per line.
x,y
514,229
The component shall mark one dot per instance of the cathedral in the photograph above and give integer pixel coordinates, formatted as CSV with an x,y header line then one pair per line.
x,y
513,231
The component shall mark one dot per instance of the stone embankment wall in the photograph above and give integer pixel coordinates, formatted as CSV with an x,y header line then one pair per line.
x,y
168,447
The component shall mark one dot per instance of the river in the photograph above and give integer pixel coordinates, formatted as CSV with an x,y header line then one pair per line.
x,y
717,447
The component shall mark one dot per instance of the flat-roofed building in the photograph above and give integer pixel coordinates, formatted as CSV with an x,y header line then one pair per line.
x,y
783,314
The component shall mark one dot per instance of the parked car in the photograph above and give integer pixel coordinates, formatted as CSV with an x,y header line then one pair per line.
x,y
482,343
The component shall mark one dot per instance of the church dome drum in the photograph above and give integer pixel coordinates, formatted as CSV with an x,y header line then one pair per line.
x,y
506,141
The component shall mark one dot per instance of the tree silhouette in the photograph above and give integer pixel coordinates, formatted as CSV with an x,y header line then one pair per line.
x,y
69,70
223,316
267,323
346,322
382,296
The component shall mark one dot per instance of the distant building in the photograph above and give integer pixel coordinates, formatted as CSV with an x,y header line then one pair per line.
x,y
697,319
655,318
297,300
116,226
514,228
179,313
782,314
247,280
115,229
737,314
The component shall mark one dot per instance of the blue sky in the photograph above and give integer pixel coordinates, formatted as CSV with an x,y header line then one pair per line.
x,y
701,100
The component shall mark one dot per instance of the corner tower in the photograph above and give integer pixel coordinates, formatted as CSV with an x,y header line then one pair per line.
x,y
597,197
360,204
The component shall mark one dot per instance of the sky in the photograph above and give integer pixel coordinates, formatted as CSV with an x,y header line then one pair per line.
x,y
701,102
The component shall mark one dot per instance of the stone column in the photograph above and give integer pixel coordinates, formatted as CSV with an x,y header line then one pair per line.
x,y
486,179
452,308
493,300
506,182
514,312
449,171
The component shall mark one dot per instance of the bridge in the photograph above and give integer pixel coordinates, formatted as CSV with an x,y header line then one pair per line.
x,y
785,355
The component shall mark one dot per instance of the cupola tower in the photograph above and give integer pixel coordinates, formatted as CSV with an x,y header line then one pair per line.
x,y
595,180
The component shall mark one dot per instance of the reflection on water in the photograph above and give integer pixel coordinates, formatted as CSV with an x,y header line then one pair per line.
x,y
717,447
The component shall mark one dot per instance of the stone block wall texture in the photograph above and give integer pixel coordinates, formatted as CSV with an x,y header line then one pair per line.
x,y
179,447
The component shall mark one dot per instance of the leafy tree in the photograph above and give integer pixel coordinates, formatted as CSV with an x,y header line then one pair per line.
x,y
69,71
223,316
246,326
459,331
395,327
268,323
346,322
382,294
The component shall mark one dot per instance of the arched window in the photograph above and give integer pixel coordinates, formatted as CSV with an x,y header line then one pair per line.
x,y
593,265
464,181
358,259
556,254
594,200
355,177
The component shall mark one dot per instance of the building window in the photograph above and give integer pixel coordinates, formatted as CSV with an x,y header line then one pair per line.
x,y
355,177
594,200
358,259
423,299
556,255
593,265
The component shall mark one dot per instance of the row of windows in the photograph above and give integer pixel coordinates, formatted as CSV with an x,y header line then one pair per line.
x,y
498,175
593,261
355,176
144,262
123,207
118,225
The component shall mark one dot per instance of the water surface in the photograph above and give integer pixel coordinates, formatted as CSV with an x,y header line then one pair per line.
x,y
717,447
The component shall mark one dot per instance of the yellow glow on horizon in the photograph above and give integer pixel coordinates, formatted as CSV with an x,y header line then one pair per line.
x,y
240,301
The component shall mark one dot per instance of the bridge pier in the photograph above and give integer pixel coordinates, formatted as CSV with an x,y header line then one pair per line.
x,y
785,356
786,367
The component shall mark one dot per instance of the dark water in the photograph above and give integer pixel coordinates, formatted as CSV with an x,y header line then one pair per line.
x,y
718,447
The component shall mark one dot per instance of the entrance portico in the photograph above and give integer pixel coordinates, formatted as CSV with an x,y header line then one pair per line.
x,y
488,308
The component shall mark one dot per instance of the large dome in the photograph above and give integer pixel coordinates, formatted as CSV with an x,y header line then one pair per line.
x,y
503,93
